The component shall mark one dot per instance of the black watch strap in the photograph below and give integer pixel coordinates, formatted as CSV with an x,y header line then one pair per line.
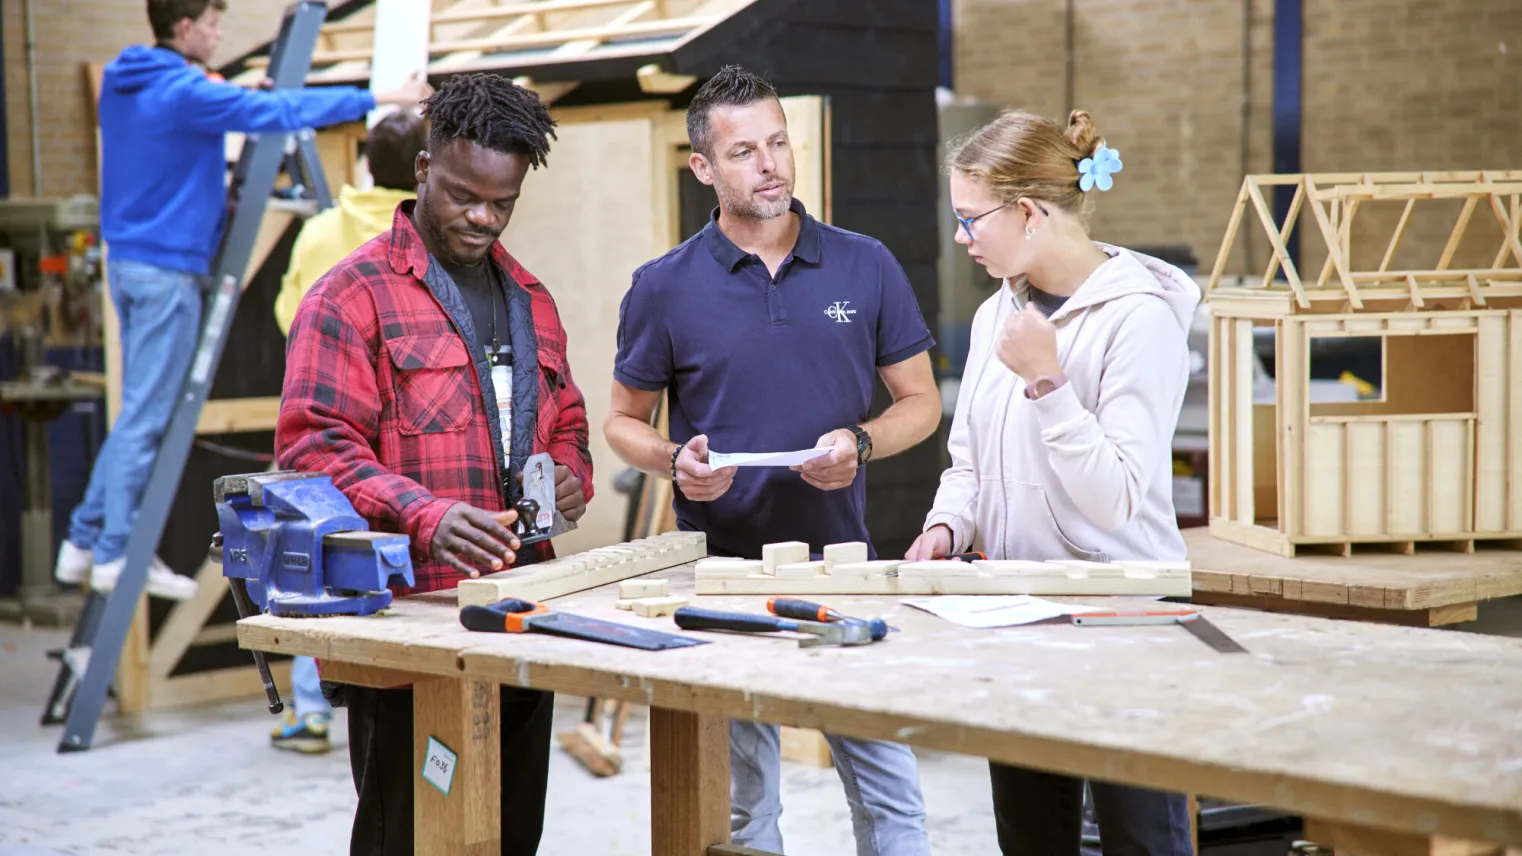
x,y
863,444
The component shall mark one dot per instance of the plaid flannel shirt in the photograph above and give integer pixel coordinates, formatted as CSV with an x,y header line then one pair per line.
x,y
382,393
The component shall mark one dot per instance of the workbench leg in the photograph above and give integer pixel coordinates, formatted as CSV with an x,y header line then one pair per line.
x,y
1349,839
689,782
465,717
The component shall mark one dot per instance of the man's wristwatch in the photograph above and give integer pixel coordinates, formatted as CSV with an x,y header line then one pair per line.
x,y
863,444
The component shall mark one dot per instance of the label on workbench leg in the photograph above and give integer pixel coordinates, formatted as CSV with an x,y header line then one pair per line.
x,y
438,765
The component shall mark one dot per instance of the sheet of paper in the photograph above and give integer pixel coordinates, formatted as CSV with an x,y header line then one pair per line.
x,y
719,460
995,610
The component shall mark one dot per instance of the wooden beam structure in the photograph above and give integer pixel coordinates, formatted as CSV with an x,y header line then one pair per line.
x,y
466,36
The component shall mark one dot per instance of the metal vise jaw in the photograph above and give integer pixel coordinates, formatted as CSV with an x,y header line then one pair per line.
x,y
299,547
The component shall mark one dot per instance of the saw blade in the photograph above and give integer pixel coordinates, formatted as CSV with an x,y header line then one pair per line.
x,y
1213,636
596,630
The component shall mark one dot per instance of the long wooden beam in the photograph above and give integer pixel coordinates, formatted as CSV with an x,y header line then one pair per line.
x,y
666,27
493,13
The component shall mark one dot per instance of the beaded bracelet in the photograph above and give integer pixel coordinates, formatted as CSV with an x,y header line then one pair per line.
x,y
676,453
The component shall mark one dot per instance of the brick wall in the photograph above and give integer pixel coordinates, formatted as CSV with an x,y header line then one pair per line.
x,y
71,33
1387,86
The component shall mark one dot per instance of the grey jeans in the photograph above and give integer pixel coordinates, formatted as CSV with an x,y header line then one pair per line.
x,y
881,782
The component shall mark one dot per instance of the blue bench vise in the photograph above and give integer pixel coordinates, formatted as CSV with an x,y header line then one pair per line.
x,y
291,544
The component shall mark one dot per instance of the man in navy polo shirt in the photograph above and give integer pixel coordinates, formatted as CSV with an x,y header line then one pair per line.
x,y
769,331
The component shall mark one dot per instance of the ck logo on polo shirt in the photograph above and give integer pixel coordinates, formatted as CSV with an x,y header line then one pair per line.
x,y
839,313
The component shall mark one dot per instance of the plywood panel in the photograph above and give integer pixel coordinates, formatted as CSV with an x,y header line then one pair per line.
x,y
1406,463
1220,439
1265,462
1490,458
1449,444
1324,451
1364,474
1242,416
572,229
1514,420
1293,374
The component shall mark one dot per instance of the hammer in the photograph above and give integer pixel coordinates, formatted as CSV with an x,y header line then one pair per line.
x,y
836,633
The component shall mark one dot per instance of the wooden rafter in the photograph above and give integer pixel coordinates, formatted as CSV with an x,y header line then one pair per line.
x,y
1335,199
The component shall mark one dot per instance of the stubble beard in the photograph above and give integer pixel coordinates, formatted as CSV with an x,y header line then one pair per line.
x,y
746,206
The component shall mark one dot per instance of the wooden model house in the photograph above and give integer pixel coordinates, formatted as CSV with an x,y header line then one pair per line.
x,y
1436,453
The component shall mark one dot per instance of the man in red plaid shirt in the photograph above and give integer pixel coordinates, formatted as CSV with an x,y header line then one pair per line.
x,y
421,373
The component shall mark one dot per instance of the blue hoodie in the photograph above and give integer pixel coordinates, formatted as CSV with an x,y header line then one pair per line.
x,y
163,193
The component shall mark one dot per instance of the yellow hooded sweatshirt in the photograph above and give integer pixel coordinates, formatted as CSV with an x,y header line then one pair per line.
x,y
330,236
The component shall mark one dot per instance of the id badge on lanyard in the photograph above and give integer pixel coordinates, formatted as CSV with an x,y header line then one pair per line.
x,y
502,383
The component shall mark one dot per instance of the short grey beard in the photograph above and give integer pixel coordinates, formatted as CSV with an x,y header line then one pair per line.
x,y
746,208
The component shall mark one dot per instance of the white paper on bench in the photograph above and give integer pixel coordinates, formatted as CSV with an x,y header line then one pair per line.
x,y
983,611
719,460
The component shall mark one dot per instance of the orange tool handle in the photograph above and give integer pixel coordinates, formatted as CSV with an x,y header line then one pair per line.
x,y
508,615
967,557
802,610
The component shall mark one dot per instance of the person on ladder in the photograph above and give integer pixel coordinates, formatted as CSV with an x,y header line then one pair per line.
x,y
163,207
391,148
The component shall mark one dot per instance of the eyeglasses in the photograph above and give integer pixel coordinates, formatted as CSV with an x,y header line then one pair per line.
x,y
968,221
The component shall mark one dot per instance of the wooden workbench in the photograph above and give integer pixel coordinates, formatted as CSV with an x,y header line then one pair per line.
x,y
1380,736
1430,588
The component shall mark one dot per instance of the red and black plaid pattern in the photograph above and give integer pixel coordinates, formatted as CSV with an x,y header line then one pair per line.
x,y
381,394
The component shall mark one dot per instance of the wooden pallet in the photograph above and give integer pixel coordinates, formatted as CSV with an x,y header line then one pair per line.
x,y
730,576
586,570
1431,588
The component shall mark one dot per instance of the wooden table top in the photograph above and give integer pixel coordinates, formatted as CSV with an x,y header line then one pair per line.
x,y
1407,729
1430,578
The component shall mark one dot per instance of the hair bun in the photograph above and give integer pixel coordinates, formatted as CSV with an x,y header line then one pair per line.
x,y
1081,132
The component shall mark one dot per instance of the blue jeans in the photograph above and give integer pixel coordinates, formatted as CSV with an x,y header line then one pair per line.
x,y
307,689
1041,813
160,314
881,781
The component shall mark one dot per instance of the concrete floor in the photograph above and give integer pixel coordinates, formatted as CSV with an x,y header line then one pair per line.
x,y
205,780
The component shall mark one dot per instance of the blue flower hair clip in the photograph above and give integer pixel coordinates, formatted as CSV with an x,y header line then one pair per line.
x,y
1096,170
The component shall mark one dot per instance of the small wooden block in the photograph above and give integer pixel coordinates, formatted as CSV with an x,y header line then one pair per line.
x,y
850,552
632,589
728,568
800,570
784,553
655,607
879,568
623,604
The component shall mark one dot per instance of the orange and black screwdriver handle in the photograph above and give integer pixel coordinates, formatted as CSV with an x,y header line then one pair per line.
x,y
967,557
801,610
509,615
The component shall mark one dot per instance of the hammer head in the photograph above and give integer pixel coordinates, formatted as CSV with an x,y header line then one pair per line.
x,y
835,633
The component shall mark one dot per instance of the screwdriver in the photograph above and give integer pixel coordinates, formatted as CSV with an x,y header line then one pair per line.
x,y
807,610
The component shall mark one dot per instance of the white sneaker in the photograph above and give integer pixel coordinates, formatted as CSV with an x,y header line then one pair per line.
x,y
162,580
73,563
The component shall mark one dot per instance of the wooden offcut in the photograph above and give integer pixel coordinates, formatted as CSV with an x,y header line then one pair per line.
x,y
585,570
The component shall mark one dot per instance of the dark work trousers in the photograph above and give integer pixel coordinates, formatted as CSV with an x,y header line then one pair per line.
x,y
1041,814
380,758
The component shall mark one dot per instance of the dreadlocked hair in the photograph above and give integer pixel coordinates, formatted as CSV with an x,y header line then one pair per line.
x,y
492,112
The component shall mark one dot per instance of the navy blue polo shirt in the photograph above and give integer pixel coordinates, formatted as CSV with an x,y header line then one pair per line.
x,y
763,364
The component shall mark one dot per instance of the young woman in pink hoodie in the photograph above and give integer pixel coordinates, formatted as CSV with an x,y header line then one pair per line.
x,y
1061,441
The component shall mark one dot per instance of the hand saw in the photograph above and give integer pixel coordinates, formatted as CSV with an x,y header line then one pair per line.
x,y
512,615
1191,620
